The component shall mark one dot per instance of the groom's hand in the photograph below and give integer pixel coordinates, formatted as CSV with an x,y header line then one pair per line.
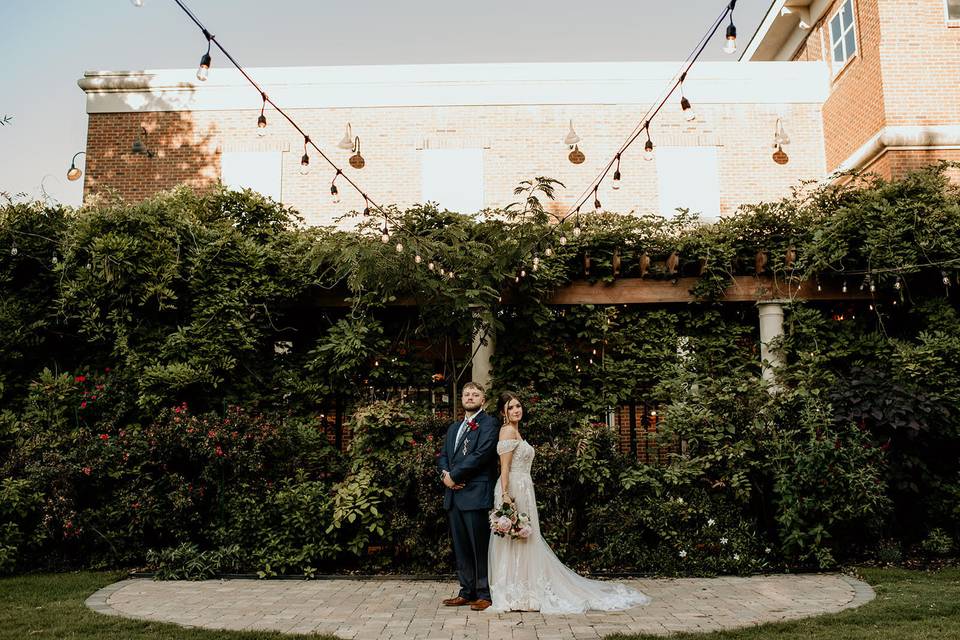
x,y
447,480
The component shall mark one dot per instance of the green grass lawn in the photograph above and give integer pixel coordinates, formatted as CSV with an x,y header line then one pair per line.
x,y
910,605
51,606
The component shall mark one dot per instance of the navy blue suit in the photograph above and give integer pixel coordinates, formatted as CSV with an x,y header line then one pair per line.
x,y
471,462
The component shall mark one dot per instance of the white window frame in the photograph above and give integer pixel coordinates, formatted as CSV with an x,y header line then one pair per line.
x,y
836,66
951,22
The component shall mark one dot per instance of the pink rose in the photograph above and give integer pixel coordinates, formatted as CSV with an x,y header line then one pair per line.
x,y
525,532
503,524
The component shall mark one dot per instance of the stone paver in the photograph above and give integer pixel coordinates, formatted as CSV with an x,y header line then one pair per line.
x,y
411,609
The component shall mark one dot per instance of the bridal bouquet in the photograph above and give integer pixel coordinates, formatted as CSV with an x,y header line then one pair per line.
x,y
507,521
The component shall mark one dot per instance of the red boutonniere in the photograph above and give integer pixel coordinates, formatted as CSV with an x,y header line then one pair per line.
x,y
472,424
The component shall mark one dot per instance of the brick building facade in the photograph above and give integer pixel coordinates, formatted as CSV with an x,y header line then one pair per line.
x,y
478,129
893,67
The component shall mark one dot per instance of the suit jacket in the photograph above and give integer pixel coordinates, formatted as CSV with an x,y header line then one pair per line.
x,y
476,469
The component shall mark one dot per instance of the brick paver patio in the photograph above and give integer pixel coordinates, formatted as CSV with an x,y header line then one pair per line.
x,y
385,609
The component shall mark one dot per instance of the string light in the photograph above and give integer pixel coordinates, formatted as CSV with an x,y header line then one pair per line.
x,y
536,262
334,192
844,287
366,205
205,60
13,250
385,233
944,278
576,225
262,120
417,259
898,284
616,175
399,247
305,159
688,113
648,146
731,45
548,251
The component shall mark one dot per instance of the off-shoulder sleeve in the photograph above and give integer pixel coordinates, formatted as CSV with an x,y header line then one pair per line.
x,y
505,446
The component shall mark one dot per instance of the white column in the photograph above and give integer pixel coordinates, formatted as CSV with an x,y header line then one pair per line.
x,y
482,347
771,328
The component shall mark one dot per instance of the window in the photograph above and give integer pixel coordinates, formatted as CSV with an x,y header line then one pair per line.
x,y
953,10
687,178
843,39
453,178
257,170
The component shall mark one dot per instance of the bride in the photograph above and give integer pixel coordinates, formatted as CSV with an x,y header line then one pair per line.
x,y
525,575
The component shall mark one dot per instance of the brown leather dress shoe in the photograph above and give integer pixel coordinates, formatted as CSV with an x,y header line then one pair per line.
x,y
480,605
459,601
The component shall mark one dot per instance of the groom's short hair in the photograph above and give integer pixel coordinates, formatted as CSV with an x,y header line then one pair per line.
x,y
475,385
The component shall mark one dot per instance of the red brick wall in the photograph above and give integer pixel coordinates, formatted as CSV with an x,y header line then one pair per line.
x,y
921,63
906,72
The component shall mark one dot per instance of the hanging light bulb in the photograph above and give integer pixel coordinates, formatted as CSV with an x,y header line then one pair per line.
x,y
688,113
55,259
73,173
14,251
873,287
399,247
844,287
89,266
571,138
898,284
334,192
576,224
819,287
648,146
597,207
523,273
616,175
204,70
442,272
945,278
346,142
450,275
366,205
431,266
548,252
385,234
305,159
262,120
731,45
417,259
563,239
536,263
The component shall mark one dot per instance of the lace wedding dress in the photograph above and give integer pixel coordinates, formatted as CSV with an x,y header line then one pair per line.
x,y
526,575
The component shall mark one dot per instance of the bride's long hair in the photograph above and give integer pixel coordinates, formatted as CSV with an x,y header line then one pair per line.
x,y
504,400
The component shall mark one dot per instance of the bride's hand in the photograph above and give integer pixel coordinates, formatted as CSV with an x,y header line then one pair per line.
x,y
507,499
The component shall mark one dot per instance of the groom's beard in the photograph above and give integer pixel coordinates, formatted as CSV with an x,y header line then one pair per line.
x,y
472,406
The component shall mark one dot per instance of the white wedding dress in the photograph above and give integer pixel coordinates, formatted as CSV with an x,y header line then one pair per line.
x,y
525,575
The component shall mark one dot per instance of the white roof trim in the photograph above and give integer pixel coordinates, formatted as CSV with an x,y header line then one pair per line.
x,y
639,83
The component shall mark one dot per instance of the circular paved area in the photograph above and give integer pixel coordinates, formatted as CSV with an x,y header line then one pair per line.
x,y
386,609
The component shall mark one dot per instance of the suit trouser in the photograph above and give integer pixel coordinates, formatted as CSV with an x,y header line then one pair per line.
x,y
471,539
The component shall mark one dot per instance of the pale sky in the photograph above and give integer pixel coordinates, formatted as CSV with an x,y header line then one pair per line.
x,y
46,45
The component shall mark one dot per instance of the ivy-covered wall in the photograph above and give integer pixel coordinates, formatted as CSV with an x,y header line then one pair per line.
x,y
172,374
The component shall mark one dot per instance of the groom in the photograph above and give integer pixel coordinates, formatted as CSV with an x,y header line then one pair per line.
x,y
468,469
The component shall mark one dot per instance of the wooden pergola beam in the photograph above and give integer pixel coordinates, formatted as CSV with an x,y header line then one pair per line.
x,y
743,289
649,291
